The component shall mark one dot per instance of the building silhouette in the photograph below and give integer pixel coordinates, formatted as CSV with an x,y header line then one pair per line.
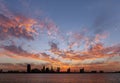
x,y
47,70
35,70
51,70
82,70
1,70
58,69
68,70
43,69
94,71
28,68
101,71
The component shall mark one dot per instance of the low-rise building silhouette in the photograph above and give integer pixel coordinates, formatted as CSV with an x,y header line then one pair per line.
x,y
58,69
1,70
94,71
35,70
101,71
47,70
82,70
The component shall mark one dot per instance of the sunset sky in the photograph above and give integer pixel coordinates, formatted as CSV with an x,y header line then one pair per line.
x,y
60,33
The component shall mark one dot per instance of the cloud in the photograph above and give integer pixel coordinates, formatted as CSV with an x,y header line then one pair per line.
x,y
96,52
23,26
96,55
19,27
14,49
75,39
17,52
53,46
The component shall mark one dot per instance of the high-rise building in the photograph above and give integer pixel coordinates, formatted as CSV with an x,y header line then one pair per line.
x,y
43,69
68,70
28,68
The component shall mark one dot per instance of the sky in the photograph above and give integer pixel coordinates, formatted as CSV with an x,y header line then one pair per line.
x,y
60,33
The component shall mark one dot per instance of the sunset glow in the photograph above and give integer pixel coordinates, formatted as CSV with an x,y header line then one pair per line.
x,y
60,33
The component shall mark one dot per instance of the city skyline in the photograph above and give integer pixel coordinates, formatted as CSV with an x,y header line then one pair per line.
x,y
67,34
52,70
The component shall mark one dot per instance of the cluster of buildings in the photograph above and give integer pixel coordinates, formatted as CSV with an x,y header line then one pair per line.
x,y
48,70
43,70
51,70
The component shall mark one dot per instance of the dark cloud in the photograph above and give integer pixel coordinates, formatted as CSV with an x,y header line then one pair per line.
x,y
53,45
15,49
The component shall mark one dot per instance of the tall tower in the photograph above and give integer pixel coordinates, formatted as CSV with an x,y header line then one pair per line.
x,y
28,68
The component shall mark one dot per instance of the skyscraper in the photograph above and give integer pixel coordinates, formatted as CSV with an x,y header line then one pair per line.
x,y
28,68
